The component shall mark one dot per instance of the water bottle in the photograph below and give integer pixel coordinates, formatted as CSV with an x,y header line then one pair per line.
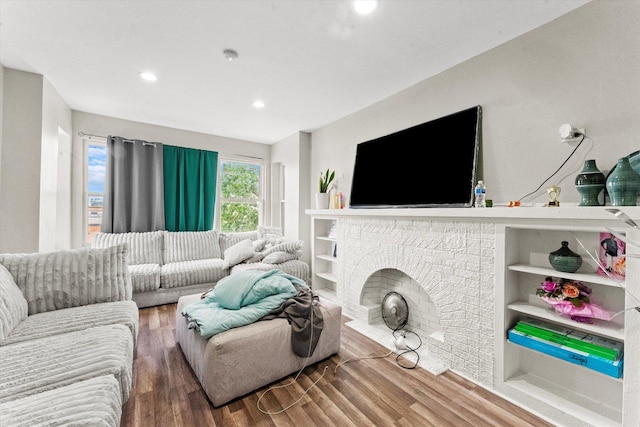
x,y
480,192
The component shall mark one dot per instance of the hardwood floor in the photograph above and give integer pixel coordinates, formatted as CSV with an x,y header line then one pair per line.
x,y
365,392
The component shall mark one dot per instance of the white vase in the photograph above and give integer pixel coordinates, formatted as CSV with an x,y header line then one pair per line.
x,y
322,200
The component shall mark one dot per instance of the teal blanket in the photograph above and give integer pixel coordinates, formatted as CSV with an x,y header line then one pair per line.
x,y
240,299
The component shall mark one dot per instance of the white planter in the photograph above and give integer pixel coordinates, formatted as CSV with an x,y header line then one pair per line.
x,y
322,200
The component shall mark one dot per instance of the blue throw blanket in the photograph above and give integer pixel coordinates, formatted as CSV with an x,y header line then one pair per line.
x,y
240,299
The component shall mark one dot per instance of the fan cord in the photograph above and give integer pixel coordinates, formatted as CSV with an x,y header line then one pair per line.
x,y
408,350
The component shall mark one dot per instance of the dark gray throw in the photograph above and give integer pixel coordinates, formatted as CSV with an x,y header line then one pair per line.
x,y
305,317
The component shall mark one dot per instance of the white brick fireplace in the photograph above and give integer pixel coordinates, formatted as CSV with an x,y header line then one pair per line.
x,y
444,269
469,274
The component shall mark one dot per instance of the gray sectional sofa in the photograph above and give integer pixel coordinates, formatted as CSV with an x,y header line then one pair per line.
x,y
166,265
68,331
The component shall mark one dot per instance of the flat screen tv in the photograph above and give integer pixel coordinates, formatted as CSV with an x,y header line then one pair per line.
x,y
428,165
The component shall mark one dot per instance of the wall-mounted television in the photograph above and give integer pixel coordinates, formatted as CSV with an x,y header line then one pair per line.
x,y
432,164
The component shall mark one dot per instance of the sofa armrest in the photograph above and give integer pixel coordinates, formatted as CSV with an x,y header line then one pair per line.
x,y
70,278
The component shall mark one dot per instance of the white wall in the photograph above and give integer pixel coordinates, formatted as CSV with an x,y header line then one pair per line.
x,y
1,115
293,153
582,68
104,126
20,162
54,192
63,196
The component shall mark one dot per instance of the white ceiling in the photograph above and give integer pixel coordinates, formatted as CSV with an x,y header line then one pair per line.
x,y
312,62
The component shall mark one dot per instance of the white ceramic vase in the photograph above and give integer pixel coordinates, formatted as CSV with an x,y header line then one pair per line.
x,y
322,200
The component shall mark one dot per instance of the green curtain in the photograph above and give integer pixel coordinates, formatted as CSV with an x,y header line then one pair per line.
x,y
190,177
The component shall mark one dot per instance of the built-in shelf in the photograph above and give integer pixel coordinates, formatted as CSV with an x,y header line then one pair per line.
x,y
567,393
581,277
598,327
589,411
327,276
323,262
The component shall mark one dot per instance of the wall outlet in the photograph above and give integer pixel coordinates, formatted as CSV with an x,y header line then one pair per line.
x,y
583,131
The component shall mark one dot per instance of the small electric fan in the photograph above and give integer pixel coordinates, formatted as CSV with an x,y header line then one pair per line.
x,y
395,311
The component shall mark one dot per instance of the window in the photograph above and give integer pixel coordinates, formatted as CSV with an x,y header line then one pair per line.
x,y
96,162
239,192
240,195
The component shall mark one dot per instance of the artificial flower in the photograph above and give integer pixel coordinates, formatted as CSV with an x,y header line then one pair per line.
x,y
571,298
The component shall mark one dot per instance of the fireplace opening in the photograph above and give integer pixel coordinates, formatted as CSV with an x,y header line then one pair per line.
x,y
423,320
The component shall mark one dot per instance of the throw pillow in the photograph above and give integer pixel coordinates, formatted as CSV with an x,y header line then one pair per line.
x,y
271,235
287,246
258,245
256,258
13,305
237,253
278,257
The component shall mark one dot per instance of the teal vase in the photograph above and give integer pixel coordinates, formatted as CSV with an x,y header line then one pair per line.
x,y
590,184
623,184
564,259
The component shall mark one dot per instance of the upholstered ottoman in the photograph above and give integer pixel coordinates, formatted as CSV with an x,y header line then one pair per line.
x,y
238,361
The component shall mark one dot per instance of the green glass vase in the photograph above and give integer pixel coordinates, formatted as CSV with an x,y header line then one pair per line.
x,y
564,259
590,184
623,184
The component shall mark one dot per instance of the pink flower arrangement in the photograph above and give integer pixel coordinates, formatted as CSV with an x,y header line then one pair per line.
x,y
571,298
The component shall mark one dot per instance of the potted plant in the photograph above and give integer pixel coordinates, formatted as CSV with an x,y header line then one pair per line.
x,y
324,187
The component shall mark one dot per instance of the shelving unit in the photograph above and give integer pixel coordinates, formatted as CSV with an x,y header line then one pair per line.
x,y
568,393
324,256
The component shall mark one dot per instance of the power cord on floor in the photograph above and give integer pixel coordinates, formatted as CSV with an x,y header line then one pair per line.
x,y
408,349
324,371
353,359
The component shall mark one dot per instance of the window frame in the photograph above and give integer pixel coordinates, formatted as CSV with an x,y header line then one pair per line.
x,y
86,142
261,188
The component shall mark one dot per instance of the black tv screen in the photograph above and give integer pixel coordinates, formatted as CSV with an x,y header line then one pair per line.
x,y
428,165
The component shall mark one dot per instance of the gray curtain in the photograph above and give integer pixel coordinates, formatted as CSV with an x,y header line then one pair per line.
x,y
134,188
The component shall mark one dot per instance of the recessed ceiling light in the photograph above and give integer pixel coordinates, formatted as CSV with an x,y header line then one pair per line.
x,y
230,54
148,76
365,7
258,104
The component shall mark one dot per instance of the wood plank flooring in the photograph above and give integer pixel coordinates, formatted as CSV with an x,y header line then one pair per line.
x,y
365,392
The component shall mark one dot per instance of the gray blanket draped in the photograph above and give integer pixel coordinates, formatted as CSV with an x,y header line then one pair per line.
x,y
305,317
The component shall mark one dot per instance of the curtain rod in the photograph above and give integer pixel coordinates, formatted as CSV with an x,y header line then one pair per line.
x,y
91,136
152,144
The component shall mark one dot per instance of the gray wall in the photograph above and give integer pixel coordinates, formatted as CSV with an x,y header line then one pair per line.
x,y
583,69
294,154
34,118
104,126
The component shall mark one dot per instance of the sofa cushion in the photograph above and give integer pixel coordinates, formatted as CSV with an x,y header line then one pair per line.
x,y
70,278
145,277
35,366
93,402
143,248
187,273
191,245
73,319
13,306
229,239
239,252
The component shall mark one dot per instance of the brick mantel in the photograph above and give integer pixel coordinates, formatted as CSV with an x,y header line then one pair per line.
x,y
452,254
